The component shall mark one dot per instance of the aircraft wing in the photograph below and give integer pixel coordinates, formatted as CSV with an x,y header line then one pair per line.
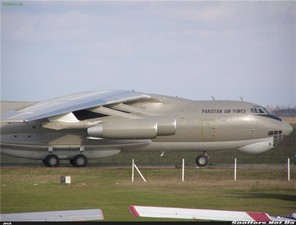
x,y
67,215
70,103
197,214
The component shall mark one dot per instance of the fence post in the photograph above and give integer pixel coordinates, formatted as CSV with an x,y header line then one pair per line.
x,y
133,170
183,167
235,164
289,174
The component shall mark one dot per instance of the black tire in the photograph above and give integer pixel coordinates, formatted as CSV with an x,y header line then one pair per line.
x,y
79,161
72,162
52,161
44,162
202,160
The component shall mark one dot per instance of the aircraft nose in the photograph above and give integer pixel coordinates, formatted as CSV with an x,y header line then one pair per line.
x,y
287,128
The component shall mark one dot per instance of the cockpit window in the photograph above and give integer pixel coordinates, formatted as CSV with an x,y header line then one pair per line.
x,y
265,110
261,111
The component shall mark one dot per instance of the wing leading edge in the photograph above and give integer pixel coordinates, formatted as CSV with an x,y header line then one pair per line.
x,y
70,103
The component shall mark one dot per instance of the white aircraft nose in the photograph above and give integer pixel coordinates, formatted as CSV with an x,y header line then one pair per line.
x,y
287,128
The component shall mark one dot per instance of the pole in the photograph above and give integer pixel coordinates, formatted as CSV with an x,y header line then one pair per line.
x,y
183,172
235,163
133,170
289,174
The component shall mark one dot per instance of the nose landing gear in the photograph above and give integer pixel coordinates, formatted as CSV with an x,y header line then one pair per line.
x,y
202,160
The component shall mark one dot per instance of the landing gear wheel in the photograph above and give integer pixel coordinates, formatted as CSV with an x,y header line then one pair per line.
x,y
79,161
44,162
202,160
72,162
52,161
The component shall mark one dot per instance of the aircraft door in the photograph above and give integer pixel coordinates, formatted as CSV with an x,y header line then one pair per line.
x,y
208,130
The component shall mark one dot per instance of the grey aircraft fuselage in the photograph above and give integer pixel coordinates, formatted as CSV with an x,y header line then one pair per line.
x,y
158,123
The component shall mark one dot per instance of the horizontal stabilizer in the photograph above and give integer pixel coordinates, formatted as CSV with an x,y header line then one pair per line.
x,y
67,215
197,214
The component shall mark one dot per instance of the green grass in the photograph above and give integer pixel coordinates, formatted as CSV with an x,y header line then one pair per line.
x,y
26,189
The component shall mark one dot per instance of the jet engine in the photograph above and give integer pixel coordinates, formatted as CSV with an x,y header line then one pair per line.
x,y
134,129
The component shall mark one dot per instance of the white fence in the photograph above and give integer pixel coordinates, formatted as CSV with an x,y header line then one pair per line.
x,y
134,166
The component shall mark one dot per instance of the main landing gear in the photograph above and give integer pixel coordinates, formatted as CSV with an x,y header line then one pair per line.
x,y
79,161
52,160
202,160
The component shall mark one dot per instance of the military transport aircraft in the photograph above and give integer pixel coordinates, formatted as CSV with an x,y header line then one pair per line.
x,y
98,124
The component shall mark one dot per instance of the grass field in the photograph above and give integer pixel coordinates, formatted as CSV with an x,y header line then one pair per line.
x,y
38,189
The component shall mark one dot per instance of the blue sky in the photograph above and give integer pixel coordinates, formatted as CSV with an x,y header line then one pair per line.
x,y
190,49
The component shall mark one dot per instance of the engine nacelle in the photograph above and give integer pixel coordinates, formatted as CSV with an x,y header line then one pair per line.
x,y
134,129
165,126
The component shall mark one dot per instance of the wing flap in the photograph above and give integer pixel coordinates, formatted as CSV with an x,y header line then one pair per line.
x,y
70,103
